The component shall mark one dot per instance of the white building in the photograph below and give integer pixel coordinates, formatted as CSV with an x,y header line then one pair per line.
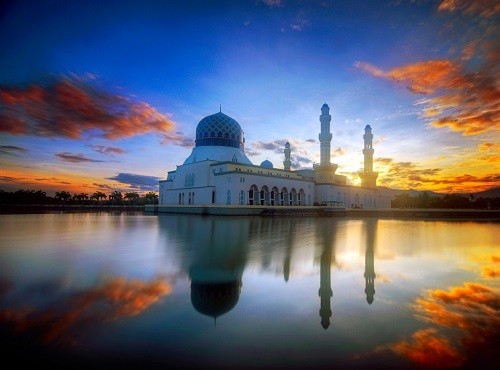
x,y
217,172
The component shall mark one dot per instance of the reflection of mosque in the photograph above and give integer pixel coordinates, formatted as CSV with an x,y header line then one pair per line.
x,y
214,254
215,250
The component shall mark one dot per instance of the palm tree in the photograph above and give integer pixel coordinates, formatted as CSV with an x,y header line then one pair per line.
x,y
98,195
115,197
131,197
63,196
151,198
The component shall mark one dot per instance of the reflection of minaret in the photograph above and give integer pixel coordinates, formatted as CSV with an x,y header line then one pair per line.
x,y
370,228
290,231
368,177
325,290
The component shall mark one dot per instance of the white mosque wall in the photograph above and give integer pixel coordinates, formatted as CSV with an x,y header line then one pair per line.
x,y
351,197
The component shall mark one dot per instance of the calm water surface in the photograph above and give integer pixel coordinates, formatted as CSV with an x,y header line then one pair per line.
x,y
177,291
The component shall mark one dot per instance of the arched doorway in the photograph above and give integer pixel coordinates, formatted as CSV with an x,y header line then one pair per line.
x,y
253,195
293,197
284,197
301,197
274,195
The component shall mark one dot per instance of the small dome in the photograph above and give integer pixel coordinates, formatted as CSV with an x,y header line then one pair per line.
x,y
219,130
368,128
266,164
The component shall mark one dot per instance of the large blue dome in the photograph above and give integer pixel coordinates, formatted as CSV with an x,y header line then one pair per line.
x,y
219,130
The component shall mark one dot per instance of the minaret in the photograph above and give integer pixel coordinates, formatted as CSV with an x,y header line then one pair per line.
x,y
287,162
325,136
368,177
370,226
324,172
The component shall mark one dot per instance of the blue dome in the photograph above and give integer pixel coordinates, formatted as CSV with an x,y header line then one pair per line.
x,y
266,164
219,130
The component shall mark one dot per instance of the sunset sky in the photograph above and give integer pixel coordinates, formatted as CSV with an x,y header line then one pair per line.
x,y
106,95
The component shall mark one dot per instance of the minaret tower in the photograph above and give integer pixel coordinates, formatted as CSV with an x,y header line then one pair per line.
x,y
324,172
325,136
287,162
368,177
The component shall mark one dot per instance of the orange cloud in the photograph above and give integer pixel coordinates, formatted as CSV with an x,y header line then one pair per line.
x,y
469,312
483,8
114,299
70,106
429,349
464,102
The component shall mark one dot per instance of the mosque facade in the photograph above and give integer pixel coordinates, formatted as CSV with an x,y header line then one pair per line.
x,y
218,172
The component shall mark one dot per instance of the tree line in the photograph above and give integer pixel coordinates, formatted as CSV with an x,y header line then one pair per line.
x,y
31,197
455,201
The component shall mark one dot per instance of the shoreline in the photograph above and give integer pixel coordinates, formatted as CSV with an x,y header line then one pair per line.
x,y
41,208
265,211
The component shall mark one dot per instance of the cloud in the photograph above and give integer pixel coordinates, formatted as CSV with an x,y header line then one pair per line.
x,y
75,158
111,300
384,160
277,146
146,183
489,146
300,24
11,150
462,91
107,149
177,138
102,186
70,106
299,156
471,310
429,349
10,178
273,3
409,175
300,161
483,8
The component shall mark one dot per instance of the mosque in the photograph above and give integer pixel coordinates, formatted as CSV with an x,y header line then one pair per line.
x,y
218,173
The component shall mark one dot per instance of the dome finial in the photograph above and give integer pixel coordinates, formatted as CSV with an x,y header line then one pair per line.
x,y
220,108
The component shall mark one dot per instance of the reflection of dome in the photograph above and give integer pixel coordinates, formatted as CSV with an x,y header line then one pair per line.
x,y
219,130
215,299
266,164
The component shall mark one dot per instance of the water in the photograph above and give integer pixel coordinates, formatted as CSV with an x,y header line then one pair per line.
x,y
180,291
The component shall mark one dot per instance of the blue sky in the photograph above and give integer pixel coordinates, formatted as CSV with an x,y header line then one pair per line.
x,y
107,95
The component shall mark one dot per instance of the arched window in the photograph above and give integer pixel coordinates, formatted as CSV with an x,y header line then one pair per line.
x,y
242,197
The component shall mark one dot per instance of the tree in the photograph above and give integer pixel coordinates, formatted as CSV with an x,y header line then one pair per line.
x,y
131,197
63,196
115,197
151,198
98,195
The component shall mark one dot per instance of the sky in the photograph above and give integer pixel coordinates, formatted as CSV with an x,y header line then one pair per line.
x,y
106,95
